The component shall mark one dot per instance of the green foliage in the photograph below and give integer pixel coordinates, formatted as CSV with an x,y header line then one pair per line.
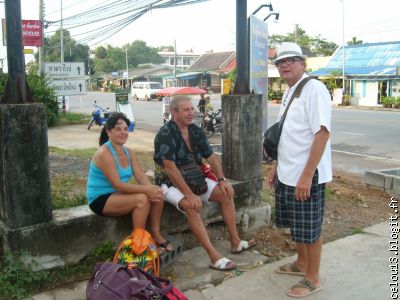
x,y
67,191
232,75
70,118
114,58
19,279
42,92
332,81
85,153
274,95
73,51
317,44
18,276
354,41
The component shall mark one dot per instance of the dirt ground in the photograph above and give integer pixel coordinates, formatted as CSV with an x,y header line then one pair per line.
x,y
351,205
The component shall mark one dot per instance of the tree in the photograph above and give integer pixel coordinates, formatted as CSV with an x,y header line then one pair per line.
x,y
354,41
73,51
318,45
114,58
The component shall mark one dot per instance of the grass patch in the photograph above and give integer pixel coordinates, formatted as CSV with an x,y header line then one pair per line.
x,y
70,118
328,194
19,279
85,153
67,191
357,231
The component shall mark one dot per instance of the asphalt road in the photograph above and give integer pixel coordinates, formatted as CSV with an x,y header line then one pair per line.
x,y
361,139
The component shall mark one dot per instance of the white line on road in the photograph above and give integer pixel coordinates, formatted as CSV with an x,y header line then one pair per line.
x,y
352,133
142,122
369,156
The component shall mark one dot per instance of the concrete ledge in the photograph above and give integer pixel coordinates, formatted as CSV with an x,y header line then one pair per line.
x,y
74,232
386,179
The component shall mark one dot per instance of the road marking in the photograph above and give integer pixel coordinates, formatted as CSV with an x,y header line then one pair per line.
x,y
351,133
369,156
142,122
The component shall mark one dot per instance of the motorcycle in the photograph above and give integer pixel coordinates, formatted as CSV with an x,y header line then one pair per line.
x,y
212,123
99,116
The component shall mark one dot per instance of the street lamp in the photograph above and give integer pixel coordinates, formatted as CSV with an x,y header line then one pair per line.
x,y
343,51
273,14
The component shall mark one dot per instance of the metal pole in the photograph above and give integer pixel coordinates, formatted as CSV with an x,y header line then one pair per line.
x,y
41,49
241,84
344,53
175,63
90,80
62,36
127,68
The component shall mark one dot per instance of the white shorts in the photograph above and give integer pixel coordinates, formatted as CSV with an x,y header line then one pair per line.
x,y
174,196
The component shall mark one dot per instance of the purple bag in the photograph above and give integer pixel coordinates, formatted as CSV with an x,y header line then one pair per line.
x,y
111,281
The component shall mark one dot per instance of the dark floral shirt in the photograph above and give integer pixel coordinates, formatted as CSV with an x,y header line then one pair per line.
x,y
169,144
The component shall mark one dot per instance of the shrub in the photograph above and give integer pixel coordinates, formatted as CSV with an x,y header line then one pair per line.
x,y
41,92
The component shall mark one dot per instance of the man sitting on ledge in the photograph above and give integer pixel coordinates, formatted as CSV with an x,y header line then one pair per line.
x,y
178,143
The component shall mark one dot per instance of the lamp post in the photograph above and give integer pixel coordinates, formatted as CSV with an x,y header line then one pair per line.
x,y
343,51
273,14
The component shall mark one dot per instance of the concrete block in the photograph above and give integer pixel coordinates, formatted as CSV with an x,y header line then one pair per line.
x,y
388,185
24,179
396,187
242,138
375,178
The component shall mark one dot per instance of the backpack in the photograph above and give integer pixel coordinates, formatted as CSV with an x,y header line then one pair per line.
x,y
111,281
139,250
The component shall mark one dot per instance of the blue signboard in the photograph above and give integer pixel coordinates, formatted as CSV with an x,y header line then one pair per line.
x,y
259,62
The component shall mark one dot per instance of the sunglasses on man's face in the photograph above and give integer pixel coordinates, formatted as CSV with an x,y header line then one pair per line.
x,y
286,61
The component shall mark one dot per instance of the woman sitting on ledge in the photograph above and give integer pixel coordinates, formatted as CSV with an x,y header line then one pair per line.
x,y
108,191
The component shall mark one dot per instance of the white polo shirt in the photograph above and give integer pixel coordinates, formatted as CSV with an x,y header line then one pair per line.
x,y
305,117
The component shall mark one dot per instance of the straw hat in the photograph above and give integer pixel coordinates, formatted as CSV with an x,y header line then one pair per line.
x,y
287,49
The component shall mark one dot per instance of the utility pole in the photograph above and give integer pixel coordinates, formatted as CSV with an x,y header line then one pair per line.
x,y
174,62
127,68
16,90
62,36
41,49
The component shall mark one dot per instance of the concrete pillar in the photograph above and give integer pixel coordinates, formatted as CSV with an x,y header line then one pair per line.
x,y
242,136
25,197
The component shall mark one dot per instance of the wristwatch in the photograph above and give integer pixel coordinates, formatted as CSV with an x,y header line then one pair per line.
x,y
221,179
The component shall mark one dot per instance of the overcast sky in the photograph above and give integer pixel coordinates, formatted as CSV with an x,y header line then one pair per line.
x,y
211,25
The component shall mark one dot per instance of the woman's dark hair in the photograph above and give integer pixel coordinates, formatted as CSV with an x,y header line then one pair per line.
x,y
112,121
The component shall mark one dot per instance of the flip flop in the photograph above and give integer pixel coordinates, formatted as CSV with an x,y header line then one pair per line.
x,y
290,269
223,264
304,284
165,245
244,246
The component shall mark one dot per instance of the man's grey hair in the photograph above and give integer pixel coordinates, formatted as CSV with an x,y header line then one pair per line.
x,y
174,105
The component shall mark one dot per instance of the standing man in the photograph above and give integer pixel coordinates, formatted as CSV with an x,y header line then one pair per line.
x,y
302,169
180,142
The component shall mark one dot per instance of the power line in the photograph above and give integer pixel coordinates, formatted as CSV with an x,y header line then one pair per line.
x,y
114,11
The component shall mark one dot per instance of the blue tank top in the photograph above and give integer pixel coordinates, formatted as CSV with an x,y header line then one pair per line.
x,y
98,183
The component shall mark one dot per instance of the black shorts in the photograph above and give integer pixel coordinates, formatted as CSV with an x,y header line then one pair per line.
x,y
98,204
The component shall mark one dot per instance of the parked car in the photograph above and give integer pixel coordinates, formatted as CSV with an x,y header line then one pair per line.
x,y
145,90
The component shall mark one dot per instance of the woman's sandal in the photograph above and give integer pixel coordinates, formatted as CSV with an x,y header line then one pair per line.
x,y
165,247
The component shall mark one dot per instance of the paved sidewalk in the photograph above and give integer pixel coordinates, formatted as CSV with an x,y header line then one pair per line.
x,y
355,267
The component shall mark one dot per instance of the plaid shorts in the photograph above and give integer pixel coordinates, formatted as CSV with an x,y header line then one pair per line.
x,y
303,218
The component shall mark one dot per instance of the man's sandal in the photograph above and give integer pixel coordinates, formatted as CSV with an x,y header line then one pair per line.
x,y
305,284
290,269
244,246
223,264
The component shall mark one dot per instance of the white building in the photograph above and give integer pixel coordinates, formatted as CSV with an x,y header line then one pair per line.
x,y
183,59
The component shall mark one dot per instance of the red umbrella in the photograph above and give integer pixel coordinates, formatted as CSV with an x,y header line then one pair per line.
x,y
185,90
